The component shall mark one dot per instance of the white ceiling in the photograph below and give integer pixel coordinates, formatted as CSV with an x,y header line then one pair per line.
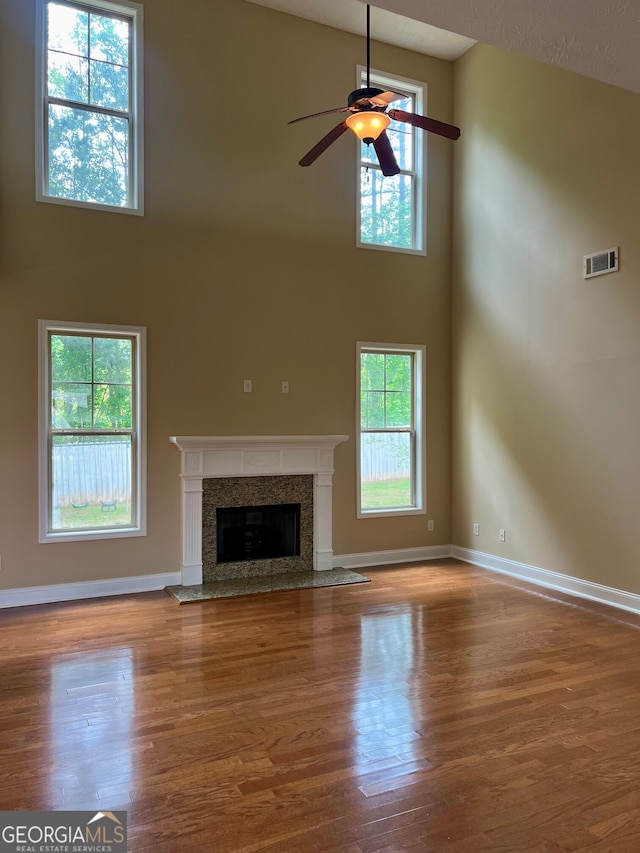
x,y
597,38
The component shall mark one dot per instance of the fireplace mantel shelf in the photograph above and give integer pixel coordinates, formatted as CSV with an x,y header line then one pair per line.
x,y
209,442
205,456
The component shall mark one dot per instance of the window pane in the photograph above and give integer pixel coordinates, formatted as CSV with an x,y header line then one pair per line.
x,y
385,469
112,407
88,156
68,77
109,86
372,371
70,406
386,209
372,409
398,372
70,358
398,409
112,360
109,39
91,482
67,29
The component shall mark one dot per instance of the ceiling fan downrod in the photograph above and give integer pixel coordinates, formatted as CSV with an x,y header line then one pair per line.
x,y
368,46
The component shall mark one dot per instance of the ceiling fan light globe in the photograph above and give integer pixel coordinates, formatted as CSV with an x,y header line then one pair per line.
x,y
368,126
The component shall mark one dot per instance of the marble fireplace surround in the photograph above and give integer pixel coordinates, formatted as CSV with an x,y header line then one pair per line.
x,y
203,457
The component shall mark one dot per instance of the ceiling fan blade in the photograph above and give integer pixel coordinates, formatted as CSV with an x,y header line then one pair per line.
x,y
323,113
430,124
386,98
386,157
324,143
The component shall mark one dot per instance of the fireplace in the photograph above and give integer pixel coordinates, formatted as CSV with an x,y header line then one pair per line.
x,y
250,497
219,472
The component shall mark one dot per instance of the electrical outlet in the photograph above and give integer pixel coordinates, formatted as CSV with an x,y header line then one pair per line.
x,y
476,529
248,386
502,535
430,524
285,386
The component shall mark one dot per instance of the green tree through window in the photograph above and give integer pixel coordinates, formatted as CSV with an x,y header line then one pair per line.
x,y
92,441
90,114
390,209
390,419
91,382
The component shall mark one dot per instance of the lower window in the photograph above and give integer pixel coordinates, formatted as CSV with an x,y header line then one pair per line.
x,y
92,449
391,476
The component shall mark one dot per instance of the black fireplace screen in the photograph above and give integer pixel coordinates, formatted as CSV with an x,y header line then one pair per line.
x,y
257,532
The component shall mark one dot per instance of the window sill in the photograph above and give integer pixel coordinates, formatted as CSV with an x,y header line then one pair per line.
x,y
390,511
383,248
89,535
90,205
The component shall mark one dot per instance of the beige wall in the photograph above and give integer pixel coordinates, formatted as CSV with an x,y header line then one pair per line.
x,y
244,266
546,400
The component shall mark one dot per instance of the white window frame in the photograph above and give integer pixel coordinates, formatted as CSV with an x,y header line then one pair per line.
x,y
135,192
139,472
417,430
418,90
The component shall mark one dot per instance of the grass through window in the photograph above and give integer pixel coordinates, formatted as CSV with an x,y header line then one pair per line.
x,y
386,493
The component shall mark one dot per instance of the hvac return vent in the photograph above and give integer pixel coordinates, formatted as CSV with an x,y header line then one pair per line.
x,y
599,263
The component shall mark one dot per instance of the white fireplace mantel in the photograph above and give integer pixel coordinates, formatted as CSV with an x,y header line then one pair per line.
x,y
204,456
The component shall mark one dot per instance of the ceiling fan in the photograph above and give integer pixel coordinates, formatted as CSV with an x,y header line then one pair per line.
x,y
369,119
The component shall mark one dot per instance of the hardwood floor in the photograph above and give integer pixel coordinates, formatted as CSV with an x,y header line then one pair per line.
x,y
438,708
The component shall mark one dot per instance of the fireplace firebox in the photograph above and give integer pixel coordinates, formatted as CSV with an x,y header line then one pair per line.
x,y
257,532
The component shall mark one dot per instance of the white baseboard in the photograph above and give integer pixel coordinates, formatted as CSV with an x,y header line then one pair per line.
x,y
550,580
148,583
85,589
385,558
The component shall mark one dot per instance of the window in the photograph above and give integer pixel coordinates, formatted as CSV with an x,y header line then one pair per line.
x,y
391,210
92,448
391,471
89,104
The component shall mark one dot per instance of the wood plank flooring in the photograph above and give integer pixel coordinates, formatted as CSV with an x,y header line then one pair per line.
x,y
440,707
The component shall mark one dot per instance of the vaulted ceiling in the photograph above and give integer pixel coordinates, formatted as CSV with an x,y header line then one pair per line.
x,y
350,15
597,38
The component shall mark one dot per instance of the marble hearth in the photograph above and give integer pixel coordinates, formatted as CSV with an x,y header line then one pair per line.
x,y
236,457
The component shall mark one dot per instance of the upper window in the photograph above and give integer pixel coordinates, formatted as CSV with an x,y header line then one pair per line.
x,y
92,456
89,104
391,475
391,210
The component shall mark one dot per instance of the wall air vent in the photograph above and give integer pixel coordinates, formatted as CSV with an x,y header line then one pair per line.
x,y
599,263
